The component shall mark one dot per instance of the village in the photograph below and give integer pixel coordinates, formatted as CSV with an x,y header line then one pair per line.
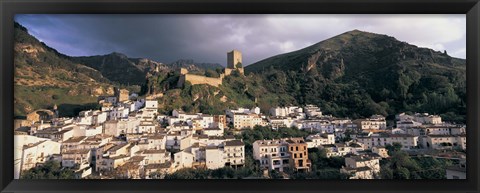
x,y
128,138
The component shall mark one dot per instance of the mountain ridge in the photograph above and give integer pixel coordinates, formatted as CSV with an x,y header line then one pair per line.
x,y
354,74
335,43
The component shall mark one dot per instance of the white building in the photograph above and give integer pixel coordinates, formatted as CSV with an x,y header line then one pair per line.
x,y
241,110
407,141
242,121
318,140
381,151
284,111
76,158
446,141
234,151
272,154
375,122
124,126
277,122
119,113
361,167
312,111
425,118
183,159
214,157
151,104
30,151
318,125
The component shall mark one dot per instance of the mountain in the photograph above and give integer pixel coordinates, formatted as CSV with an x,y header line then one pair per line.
x,y
120,69
360,73
45,77
355,74
362,50
193,66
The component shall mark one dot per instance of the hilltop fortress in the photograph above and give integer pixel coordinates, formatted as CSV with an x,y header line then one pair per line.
x,y
234,62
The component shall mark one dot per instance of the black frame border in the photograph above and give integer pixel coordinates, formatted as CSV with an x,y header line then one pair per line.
x,y
8,8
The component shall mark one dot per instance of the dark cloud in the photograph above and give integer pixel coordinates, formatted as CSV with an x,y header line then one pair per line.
x,y
207,38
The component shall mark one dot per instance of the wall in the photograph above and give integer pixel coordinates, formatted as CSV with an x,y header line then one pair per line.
x,y
196,79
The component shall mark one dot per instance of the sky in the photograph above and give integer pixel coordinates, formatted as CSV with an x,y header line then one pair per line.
x,y
208,38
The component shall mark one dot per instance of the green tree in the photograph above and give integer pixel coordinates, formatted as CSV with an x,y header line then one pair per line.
x,y
48,170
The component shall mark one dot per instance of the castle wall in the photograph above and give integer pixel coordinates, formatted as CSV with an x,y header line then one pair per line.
x,y
196,79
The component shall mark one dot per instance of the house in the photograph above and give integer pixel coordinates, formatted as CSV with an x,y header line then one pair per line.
x,y
157,170
72,143
408,124
124,126
282,154
277,122
109,163
381,151
146,127
317,125
230,112
284,111
382,139
297,148
156,141
151,104
33,152
212,131
318,140
312,111
374,122
132,169
178,140
361,167
446,141
76,158
153,156
272,154
183,159
425,118
119,113
214,157
337,149
234,151
242,120
398,131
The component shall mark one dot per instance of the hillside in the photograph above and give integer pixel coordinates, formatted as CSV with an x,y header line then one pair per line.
x,y
44,77
360,73
120,69
355,74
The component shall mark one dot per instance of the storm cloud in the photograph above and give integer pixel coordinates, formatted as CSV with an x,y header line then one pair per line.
x,y
207,38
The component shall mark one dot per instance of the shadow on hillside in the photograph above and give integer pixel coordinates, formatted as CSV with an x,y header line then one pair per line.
x,y
72,110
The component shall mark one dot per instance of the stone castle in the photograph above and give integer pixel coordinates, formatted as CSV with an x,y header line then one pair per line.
x,y
234,62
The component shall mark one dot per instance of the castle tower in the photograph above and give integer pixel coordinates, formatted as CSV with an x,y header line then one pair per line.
x,y
234,59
